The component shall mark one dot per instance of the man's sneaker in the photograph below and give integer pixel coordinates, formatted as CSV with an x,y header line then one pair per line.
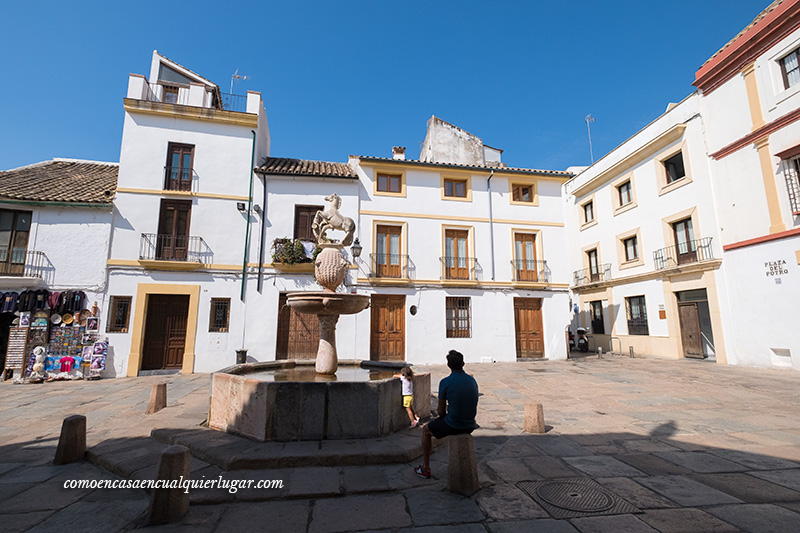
x,y
421,471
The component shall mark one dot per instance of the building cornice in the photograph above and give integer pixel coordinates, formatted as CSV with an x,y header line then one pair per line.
x,y
234,118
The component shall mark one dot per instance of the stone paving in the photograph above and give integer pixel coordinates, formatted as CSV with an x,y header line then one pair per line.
x,y
692,445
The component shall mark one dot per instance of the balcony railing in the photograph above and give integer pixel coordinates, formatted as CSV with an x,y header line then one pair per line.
x,y
388,266
178,179
530,270
458,268
586,276
22,263
154,247
195,96
792,185
234,102
684,253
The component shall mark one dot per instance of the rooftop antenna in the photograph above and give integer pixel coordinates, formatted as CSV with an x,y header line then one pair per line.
x,y
237,77
589,118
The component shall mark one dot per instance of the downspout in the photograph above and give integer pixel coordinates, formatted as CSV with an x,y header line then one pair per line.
x,y
491,222
263,234
249,214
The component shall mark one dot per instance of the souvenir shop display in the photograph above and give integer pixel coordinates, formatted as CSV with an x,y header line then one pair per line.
x,y
53,337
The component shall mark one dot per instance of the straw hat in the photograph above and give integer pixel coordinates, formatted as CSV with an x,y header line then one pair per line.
x,y
67,318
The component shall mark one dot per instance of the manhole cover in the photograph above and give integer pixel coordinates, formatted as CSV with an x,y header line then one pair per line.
x,y
575,497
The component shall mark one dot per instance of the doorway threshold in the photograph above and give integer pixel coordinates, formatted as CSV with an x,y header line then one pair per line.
x,y
160,372
531,359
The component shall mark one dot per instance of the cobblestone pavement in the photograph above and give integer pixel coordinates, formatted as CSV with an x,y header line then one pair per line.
x,y
691,445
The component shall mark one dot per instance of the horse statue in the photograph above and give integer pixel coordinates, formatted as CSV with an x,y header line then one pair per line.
x,y
330,218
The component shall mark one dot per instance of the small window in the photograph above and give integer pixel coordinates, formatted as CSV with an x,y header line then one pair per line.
x,y
170,94
624,192
455,188
303,219
220,315
596,310
631,248
457,316
522,193
790,69
588,212
594,266
637,316
178,171
389,183
674,167
119,312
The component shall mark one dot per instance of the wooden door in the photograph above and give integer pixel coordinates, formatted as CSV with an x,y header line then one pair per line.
x,y
525,252
14,230
690,330
594,267
298,334
528,326
387,246
685,247
388,331
173,230
179,167
456,253
165,331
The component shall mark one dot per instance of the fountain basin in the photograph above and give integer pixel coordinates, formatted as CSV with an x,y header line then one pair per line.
x,y
322,408
327,303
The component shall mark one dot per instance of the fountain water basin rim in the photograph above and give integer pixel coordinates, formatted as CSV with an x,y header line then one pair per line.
x,y
327,303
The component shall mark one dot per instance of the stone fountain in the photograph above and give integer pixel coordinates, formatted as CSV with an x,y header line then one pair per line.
x,y
279,401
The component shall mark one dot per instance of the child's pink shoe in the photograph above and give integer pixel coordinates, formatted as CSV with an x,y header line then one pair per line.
x,y
415,423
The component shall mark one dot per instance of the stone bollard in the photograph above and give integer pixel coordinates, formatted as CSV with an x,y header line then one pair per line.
x,y
158,398
168,505
462,466
534,418
72,442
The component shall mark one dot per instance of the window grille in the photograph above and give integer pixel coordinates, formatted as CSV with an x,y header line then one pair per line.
x,y
220,315
637,316
457,316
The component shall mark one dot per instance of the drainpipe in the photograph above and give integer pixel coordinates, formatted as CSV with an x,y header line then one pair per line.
x,y
249,213
491,222
263,232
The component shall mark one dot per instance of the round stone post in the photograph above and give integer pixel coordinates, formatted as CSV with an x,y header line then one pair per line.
x,y
327,360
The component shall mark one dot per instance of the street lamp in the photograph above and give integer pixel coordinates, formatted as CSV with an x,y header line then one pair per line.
x,y
356,248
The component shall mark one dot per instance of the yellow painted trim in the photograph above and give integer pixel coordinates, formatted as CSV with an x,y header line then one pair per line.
x,y
639,155
668,221
467,187
403,244
615,200
301,268
585,255
751,87
523,181
499,172
183,194
461,219
776,224
143,291
623,263
584,224
479,284
667,273
661,170
797,254
169,265
233,118
391,172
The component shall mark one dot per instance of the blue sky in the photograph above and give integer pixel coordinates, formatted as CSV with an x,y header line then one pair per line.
x,y
359,77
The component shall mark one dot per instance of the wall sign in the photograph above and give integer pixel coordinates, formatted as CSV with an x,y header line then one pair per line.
x,y
776,268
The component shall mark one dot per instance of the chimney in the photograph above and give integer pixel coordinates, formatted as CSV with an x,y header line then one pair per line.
x,y
398,152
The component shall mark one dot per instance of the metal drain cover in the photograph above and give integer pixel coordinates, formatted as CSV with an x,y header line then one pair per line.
x,y
572,498
575,497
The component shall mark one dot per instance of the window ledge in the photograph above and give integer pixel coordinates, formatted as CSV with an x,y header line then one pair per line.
x,y
457,198
632,264
675,185
401,194
299,268
461,282
589,224
153,264
627,207
535,203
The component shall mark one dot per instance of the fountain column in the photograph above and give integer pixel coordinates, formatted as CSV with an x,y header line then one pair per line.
x,y
327,359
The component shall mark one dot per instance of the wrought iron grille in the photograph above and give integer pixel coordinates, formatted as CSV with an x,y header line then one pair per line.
x,y
459,267
790,170
683,253
586,276
637,315
21,262
234,102
172,248
388,265
530,270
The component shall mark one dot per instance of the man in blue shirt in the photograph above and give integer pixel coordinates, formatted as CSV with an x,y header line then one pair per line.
x,y
458,404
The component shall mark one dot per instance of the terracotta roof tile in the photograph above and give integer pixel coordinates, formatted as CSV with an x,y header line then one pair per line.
x,y
306,168
61,180
497,169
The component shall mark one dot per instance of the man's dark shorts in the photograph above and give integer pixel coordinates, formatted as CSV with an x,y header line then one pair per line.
x,y
440,429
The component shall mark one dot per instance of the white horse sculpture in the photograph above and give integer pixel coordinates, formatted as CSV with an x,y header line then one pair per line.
x,y
330,218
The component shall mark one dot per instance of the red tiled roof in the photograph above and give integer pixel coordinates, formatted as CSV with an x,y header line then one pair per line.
x,y
306,168
486,168
61,180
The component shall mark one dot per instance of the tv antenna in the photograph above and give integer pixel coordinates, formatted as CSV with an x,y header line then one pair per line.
x,y
238,77
589,118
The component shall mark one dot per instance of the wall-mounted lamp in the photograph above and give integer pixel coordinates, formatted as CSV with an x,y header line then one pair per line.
x,y
356,248
257,209
241,206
